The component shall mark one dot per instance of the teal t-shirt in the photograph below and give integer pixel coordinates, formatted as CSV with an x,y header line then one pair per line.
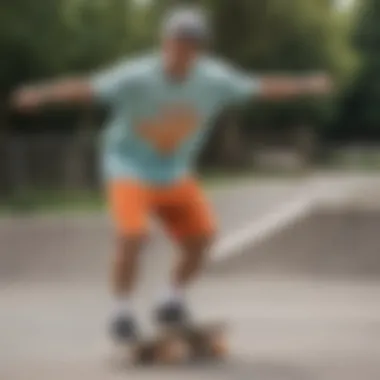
x,y
157,126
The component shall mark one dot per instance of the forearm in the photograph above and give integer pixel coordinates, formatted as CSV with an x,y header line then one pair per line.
x,y
289,87
68,91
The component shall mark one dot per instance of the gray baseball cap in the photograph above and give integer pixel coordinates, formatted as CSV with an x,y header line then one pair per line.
x,y
186,22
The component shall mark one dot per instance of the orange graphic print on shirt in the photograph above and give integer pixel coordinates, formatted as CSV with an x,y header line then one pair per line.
x,y
170,129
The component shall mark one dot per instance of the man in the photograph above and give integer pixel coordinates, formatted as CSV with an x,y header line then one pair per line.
x,y
162,106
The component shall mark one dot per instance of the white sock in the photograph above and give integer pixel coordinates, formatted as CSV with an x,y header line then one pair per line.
x,y
172,294
122,307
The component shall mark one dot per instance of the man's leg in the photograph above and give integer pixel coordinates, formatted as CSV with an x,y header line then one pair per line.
x,y
129,206
125,265
191,259
189,221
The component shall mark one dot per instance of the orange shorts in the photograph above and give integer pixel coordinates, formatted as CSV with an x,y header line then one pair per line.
x,y
181,207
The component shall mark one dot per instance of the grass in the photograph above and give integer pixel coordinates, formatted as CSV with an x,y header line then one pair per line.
x,y
362,162
44,201
47,201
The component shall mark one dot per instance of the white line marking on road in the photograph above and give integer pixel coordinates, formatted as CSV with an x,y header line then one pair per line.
x,y
258,230
249,236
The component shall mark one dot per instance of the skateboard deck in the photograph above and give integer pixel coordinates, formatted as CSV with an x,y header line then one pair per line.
x,y
182,344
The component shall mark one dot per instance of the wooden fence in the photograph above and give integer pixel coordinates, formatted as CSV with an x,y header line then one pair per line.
x,y
59,161
48,161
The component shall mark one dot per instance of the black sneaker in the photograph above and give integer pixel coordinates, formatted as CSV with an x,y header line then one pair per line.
x,y
172,314
124,329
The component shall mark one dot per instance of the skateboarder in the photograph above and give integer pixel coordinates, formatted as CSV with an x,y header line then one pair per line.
x,y
162,106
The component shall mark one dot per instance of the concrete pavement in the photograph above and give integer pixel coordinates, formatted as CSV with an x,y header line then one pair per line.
x,y
302,304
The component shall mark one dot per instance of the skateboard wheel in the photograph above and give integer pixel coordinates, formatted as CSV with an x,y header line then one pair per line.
x,y
173,352
218,346
137,356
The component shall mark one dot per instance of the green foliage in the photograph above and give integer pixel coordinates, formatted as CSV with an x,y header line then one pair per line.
x,y
30,39
360,112
44,38
273,36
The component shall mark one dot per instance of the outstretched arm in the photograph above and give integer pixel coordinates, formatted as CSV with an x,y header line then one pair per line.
x,y
68,91
282,87
105,87
240,86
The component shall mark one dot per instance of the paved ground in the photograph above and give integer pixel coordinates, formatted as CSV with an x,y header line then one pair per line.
x,y
302,305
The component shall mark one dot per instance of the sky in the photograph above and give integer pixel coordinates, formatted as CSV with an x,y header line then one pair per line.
x,y
344,3
340,3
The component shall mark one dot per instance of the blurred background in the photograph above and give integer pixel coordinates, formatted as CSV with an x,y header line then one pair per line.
x,y
42,40
295,186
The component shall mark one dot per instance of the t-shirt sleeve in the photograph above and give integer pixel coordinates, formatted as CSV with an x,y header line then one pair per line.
x,y
108,85
240,86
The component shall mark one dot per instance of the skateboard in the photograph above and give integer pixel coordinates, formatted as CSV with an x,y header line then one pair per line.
x,y
181,345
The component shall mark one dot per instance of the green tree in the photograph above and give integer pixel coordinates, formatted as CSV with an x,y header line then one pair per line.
x,y
360,113
43,39
273,36
31,37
